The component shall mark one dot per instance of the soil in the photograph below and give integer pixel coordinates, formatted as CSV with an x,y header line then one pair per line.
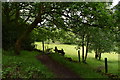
x,y
58,69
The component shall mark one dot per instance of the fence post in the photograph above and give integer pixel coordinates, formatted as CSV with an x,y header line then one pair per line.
x,y
106,66
79,55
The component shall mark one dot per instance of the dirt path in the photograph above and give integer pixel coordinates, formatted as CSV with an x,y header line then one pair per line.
x,y
60,70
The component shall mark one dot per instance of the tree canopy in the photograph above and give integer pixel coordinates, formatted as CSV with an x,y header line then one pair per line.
x,y
87,24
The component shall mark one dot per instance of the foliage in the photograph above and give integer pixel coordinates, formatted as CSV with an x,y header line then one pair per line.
x,y
102,40
116,27
43,32
13,26
85,24
23,66
67,37
60,21
28,43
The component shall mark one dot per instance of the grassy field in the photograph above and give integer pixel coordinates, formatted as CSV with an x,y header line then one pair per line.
x,y
92,62
23,66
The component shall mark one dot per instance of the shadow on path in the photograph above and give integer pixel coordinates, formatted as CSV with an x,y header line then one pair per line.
x,y
59,69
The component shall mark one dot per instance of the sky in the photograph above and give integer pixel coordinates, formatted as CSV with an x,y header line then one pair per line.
x,y
115,2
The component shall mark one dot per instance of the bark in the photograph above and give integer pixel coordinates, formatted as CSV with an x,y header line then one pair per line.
x,y
96,54
99,56
87,47
79,55
83,48
37,20
43,46
17,14
25,34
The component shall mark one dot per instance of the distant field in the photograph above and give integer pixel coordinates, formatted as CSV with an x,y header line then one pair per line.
x,y
70,51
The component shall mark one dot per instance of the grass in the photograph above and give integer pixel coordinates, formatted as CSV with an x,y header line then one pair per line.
x,y
23,66
82,70
85,70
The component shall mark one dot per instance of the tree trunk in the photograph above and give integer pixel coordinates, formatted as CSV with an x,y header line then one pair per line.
x,y
25,34
96,54
18,45
99,56
79,55
37,20
83,48
87,47
43,46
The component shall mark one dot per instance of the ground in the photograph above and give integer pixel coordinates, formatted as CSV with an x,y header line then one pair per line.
x,y
54,64
59,69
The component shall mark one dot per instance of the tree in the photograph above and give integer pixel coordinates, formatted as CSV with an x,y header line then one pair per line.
x,y
101,41
43,34
13,25
85,19
77,18
116,28
44,11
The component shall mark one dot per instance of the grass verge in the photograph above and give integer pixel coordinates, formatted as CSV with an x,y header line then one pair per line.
x,y
83,70
23,66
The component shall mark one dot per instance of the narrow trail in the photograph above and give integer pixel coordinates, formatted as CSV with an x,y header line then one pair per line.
x,y
58,69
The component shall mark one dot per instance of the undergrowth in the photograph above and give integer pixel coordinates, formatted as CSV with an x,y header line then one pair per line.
x,y
23,66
